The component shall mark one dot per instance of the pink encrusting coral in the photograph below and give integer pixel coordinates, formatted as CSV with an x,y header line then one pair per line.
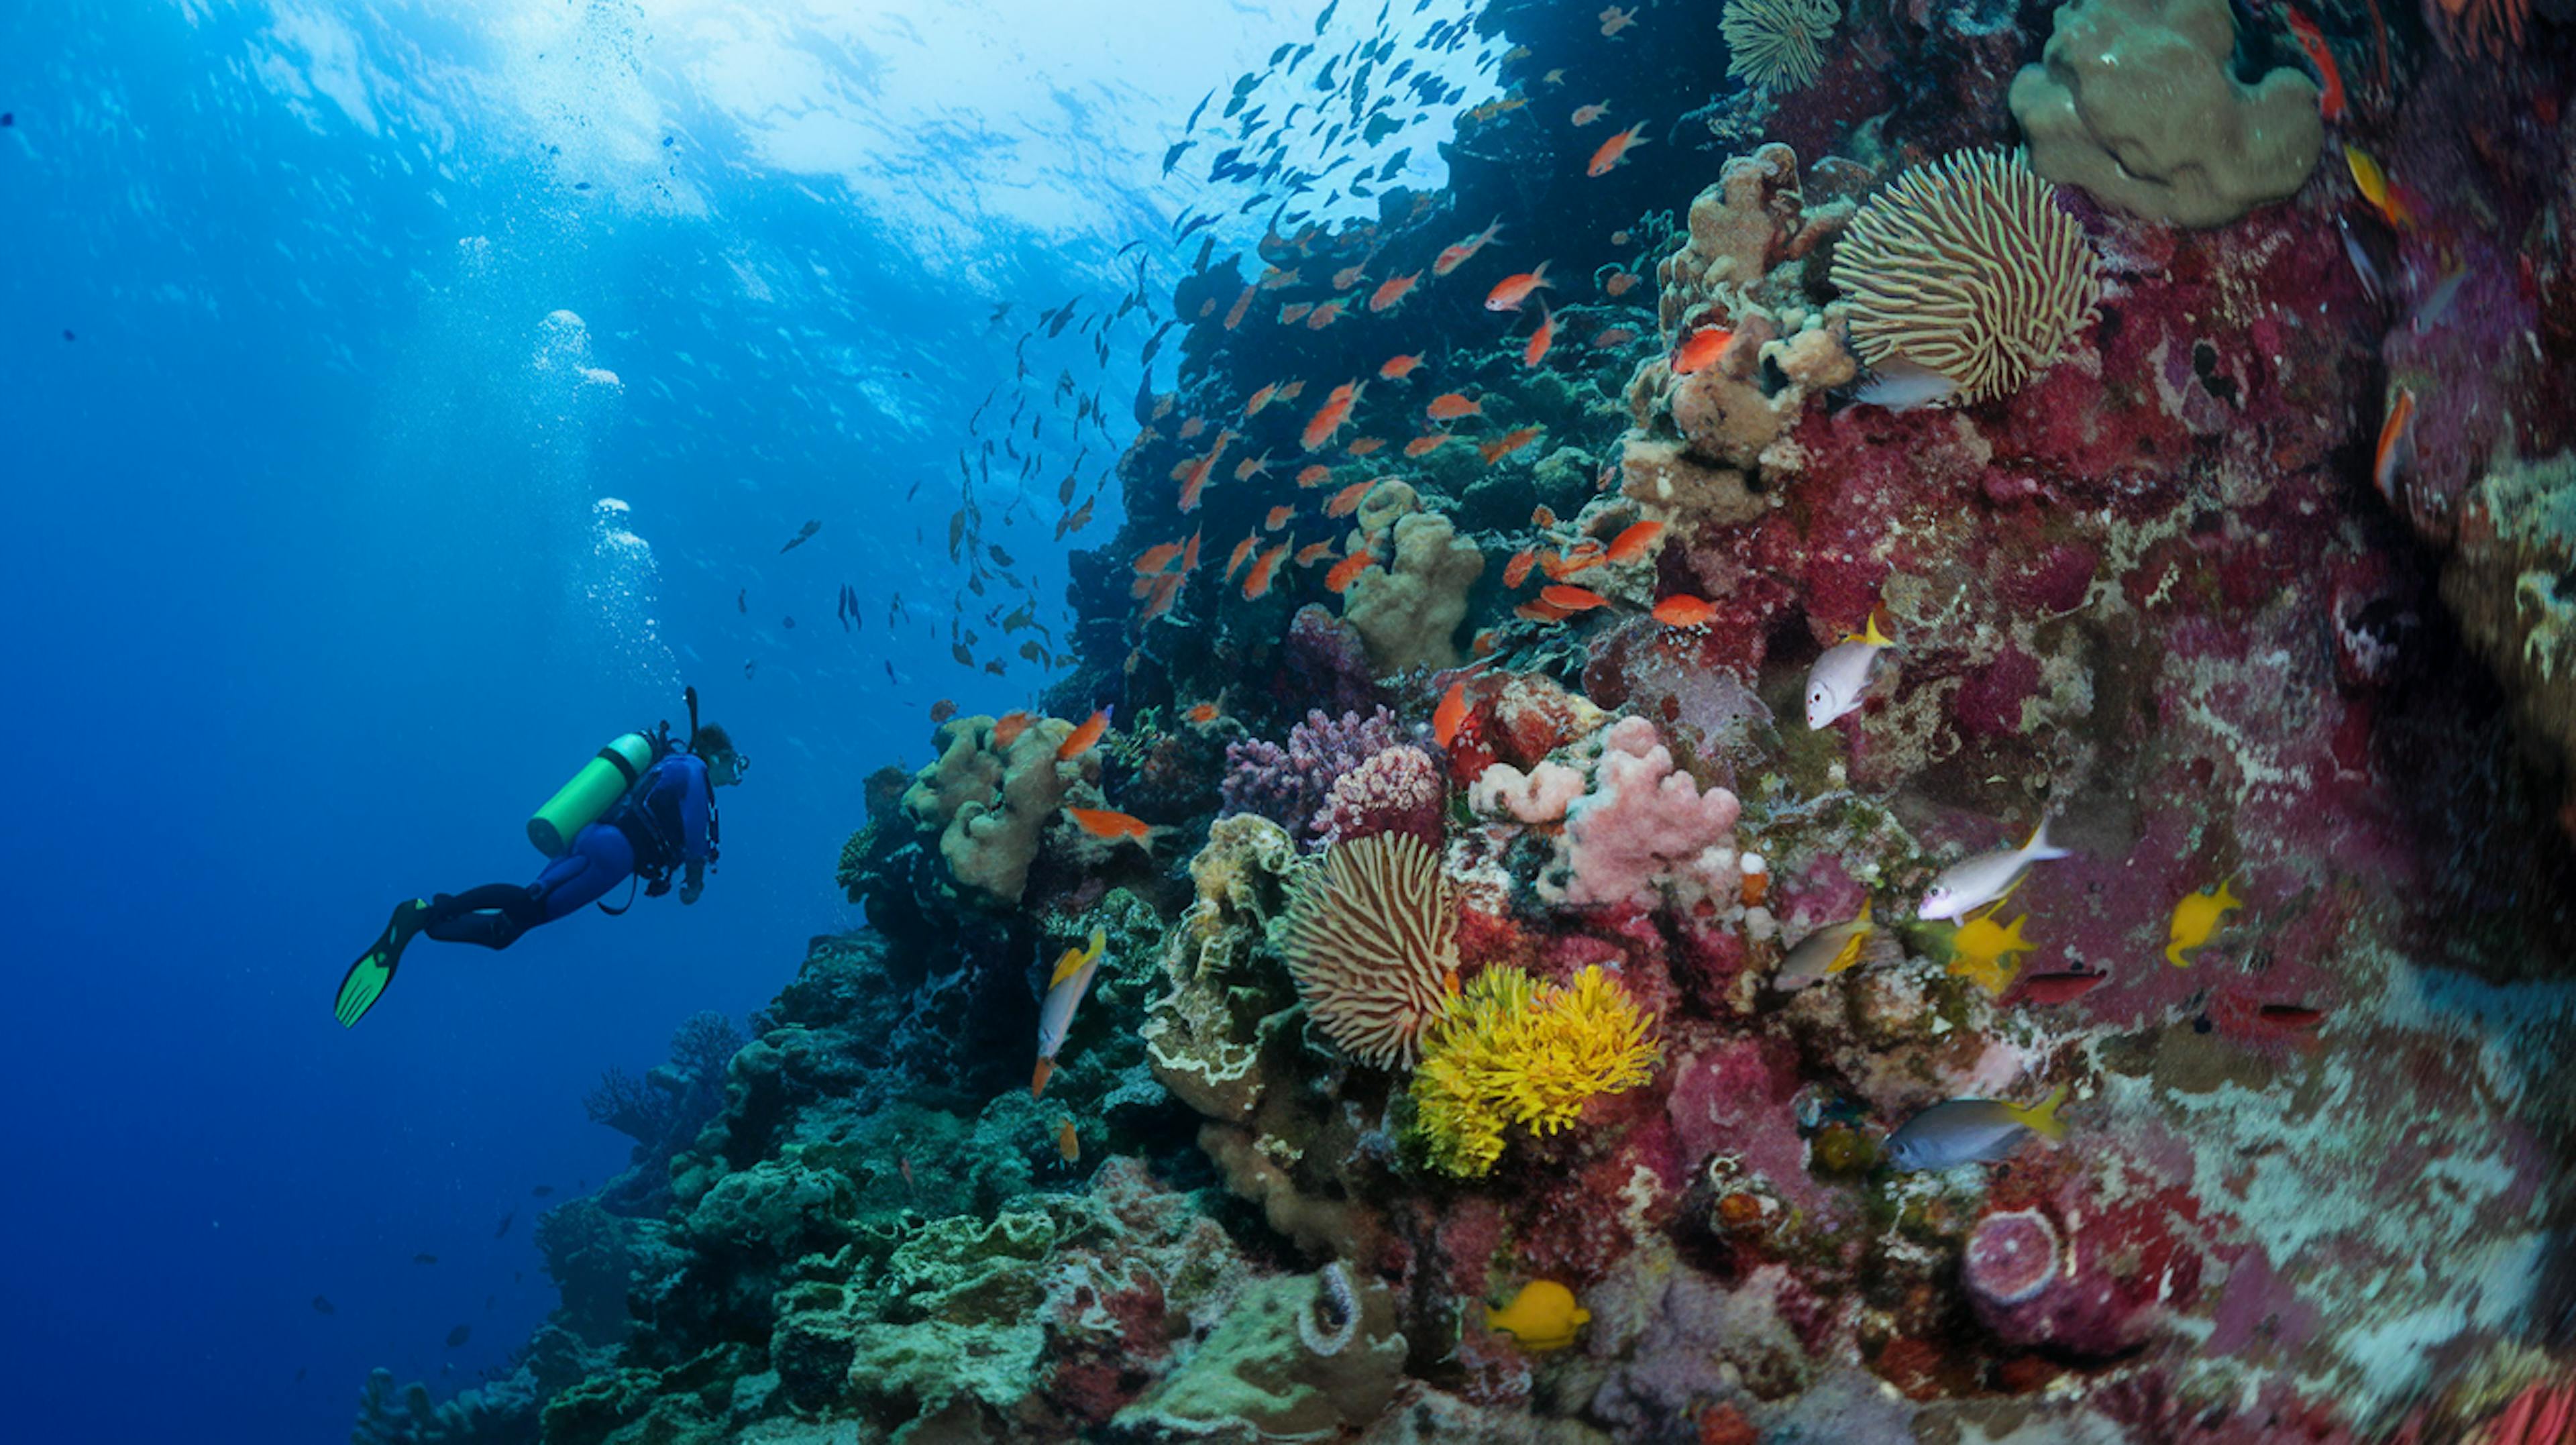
x,y
1644,823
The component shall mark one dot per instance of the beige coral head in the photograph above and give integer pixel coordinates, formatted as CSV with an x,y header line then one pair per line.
x,y
1373,944
1968,268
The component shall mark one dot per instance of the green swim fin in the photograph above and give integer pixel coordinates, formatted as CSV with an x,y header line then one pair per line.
x,y
366,979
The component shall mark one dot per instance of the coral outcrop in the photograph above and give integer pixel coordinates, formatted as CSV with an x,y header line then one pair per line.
x,y
2135,101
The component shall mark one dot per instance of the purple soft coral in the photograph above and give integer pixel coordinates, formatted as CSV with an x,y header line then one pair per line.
x,y
1643,820
1287,784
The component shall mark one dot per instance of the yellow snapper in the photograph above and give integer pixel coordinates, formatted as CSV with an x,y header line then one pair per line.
x,y
1543,1316
1065,988
1827,951
1839,678
2195,918
1971,1130
1963,888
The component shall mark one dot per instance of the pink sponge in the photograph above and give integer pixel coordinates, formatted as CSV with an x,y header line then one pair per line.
x,y
1642,821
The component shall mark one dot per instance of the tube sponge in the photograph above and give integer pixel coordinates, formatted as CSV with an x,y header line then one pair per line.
x,y
2132,100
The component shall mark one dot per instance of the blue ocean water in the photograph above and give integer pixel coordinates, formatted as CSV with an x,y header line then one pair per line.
x,y
396,402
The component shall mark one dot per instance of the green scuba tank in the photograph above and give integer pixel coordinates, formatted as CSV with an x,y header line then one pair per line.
x,y
590,794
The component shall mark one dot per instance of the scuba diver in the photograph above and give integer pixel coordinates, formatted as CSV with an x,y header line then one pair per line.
x,y
640,809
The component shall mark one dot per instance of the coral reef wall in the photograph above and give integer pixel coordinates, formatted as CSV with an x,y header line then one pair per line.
x,y
1704,619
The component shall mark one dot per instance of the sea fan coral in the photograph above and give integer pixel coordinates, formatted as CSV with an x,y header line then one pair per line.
x,y
1512,1051
1373,942
1777,44
1967,268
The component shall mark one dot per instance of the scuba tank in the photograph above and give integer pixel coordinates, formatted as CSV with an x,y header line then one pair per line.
x,y
590,794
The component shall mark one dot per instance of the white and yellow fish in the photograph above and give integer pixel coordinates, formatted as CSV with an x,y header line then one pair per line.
x,y
1840,677
1071,980
1963,888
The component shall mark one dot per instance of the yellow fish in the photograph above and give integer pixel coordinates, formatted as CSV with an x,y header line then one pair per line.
x,y
1982,952
2195,918
2372,182
1543,1316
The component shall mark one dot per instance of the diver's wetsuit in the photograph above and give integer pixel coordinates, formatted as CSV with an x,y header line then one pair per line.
x,y
662,822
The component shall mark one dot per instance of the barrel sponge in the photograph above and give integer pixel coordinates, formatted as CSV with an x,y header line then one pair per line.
x,y
1409,614
2132,100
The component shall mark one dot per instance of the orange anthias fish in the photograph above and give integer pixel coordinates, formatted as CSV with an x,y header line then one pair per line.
x,y
1165,590
1251,467
1613,20
1291,391
1294,312
1508,443
1541,339
1068,1143
1275,279
1206,712
1190,553
1314,476
1197,480
2330,104
1079,741
1459,255
1157,557
1620,283
1257,581
1540,610
1101,823
1191,426
1511,291
1542,515
1632,543
1331,417
1348,499
1008,727
1242,553
1572,599
1278,518
1243,303
1449,406
2396,450
1700,348
1587,114
1683,610
1325,313
1450,715
1609,336
1397,368
1349,276
1260,399
1312,553
1517,570
1614,151
1363,446
1391,291
1426,443
1347,571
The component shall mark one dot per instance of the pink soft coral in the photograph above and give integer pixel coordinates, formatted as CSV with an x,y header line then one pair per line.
x,y
1398,790
1643,821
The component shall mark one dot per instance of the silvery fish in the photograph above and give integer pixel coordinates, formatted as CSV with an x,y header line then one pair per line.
x,y
1836,682
1966,1131
1827,951
1963,888
1903,386
1065,988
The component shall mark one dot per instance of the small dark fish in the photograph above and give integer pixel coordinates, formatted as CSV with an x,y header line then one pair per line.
x,y
541,1191
9,118
459,1335
750,668
742,601
300,1370
67,334
322,1306
890,677
803,535
581,185
424,1259
788,622
489,1302
503,1227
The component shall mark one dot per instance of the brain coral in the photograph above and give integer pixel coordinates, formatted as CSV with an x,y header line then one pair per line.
x,y
2133,101
1967,268
1777,44
1373,944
